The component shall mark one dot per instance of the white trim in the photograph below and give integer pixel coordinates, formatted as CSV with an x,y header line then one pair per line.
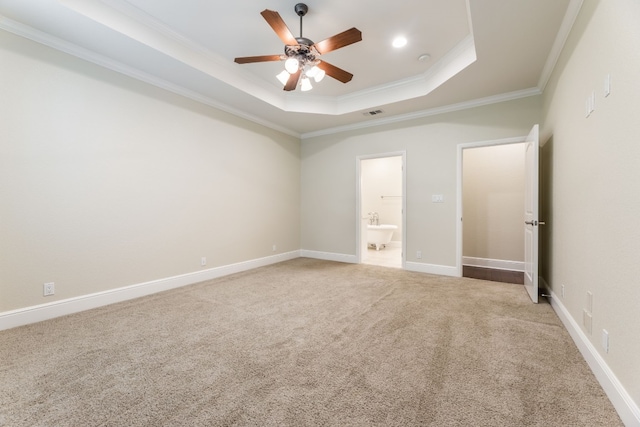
x,y
496,264
329,256
136,24
623,403
119,67
441,270
558,44
460,148
360,215
474,103
38,313
103,61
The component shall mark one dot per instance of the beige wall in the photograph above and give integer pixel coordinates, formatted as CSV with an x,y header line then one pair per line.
x,y
108,182
329,176
592,181
493,202
383,177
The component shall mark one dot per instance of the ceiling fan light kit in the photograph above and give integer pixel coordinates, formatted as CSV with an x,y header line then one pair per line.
x,y
301,55
291,65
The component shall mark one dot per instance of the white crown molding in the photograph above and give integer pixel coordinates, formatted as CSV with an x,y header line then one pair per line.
x,y
87,55
38,313
161,34
126,19
103,61
148,31
561,38
456,60
627,409
144,18
510,96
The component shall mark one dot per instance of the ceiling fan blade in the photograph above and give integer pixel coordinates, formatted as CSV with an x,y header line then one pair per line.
x,y
262,58
335,72
343,39
275,21
293,81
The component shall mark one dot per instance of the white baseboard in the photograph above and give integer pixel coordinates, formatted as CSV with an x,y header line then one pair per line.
x,y
624,404
627,409
38,313
442,270
329,256
498,264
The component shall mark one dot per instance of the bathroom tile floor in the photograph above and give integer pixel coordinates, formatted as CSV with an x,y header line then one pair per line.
x,y
390,256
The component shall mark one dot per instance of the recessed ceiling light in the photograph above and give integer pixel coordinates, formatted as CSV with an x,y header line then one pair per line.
x,y
399,41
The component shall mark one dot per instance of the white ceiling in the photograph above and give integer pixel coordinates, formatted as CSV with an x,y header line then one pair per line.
x,y
481,51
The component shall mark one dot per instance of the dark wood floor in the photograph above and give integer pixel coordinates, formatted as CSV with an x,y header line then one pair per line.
x,y
482,273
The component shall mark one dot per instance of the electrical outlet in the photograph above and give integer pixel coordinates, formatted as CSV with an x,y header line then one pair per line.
x,y
203,261
437,198
49,289
605,340
418,254
274,247
562,291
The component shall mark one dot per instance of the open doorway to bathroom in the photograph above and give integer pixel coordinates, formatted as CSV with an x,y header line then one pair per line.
x,y
381,191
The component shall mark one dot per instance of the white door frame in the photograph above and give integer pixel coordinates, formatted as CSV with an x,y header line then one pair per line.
x,y
461,148
359,216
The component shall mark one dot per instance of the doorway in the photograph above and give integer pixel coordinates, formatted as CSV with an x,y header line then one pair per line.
x,y
381,207
491,194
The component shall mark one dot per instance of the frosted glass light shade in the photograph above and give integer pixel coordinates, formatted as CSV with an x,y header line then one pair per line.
x,y
305,85
311,72
291,65
319,75
283,77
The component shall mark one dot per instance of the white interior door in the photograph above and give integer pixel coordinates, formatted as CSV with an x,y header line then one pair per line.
x,y
532,147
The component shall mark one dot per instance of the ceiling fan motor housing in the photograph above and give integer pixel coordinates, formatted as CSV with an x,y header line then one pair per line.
x,y
301,9
302,52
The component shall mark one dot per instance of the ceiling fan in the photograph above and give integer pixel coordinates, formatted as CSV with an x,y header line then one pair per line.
x,y
301,55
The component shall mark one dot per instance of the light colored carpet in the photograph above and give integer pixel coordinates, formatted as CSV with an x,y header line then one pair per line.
x,y
305,342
